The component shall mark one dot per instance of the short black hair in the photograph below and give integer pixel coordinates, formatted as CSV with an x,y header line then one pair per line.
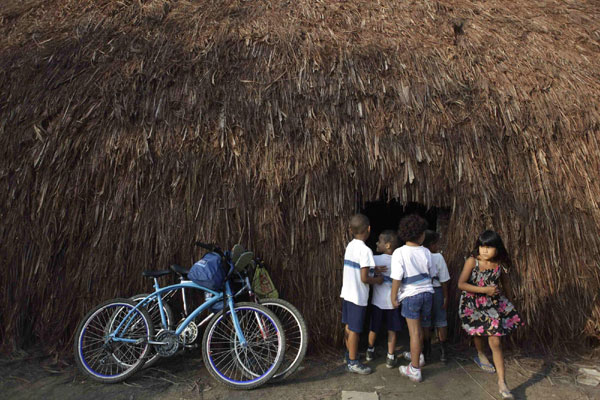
x,y
431,237
411,227
359,223
389,236
490,238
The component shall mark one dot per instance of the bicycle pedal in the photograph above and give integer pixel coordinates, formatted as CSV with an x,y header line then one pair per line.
x,y
191,346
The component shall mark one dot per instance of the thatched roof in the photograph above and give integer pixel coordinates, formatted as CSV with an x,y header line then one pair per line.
x,y
130,128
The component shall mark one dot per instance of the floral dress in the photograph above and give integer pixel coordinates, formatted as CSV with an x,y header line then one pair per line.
x,y
483,315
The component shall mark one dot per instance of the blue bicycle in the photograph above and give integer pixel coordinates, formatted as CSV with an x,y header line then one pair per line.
x,y
242,347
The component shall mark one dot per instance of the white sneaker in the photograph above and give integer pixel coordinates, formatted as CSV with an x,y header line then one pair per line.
x,y
414,374
407,356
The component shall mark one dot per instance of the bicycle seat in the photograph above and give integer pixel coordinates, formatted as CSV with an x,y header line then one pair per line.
x,y
244,259
180,270
236,252
156,274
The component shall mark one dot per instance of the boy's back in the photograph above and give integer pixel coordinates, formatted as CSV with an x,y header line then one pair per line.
x,y
381,293
414,267
358,255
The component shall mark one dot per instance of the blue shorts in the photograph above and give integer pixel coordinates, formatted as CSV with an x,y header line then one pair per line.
x,y
418,307
392,319
353,316
438,314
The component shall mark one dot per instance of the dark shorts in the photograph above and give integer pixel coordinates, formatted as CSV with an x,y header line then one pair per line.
x,y
438,314
391,319
353,316
418,307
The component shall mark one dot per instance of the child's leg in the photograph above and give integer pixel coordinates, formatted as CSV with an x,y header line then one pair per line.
x,y
372,337
496,346
416,340
442,333
391,342
426,334
375,324
427,343
480,346
352,339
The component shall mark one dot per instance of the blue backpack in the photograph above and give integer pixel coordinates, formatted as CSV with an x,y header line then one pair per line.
x,y
208,272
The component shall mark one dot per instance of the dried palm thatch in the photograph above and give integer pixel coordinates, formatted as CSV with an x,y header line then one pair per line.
x,y
130,128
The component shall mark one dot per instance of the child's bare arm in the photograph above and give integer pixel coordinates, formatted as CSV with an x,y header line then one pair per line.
x,y
394,296
379,269
370,280
467,287
445,291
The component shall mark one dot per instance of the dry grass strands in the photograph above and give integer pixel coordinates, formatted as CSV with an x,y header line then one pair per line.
x,y
131,128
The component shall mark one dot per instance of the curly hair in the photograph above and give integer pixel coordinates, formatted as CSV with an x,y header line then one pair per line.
x,y
411,227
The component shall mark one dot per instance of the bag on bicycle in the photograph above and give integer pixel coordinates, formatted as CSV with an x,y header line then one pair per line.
x,y
262,284
208,272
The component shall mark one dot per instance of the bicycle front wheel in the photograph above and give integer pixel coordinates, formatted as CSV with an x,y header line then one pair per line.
x,y
105,358
296,335
244,366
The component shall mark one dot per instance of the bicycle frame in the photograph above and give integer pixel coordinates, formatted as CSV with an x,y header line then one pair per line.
x,y
217,296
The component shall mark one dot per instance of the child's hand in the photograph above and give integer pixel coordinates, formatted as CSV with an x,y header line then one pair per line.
x,y
491,290
395,302
379,269
378,279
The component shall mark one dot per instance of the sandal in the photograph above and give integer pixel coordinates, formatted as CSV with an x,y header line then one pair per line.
x,y
506,394
489,368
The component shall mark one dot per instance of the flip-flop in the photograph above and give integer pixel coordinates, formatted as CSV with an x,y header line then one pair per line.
x,y
506,394
489,368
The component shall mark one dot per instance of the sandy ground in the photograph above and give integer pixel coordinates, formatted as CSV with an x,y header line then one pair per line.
x,y
324,377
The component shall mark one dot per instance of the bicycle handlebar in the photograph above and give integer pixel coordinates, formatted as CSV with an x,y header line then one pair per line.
x,y
210,247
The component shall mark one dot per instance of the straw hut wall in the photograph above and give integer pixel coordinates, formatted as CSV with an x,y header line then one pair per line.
x,y
131,128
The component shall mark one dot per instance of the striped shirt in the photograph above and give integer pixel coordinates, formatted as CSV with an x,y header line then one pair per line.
x,y
414,268
357,256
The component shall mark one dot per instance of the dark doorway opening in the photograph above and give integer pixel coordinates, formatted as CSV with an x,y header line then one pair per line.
x,y
387,214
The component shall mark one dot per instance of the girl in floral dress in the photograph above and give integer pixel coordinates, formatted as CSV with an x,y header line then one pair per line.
x,y
484,310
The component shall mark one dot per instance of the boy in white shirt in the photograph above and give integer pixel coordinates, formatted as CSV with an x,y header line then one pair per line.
x,y
412,269
382,309
440,297
358,260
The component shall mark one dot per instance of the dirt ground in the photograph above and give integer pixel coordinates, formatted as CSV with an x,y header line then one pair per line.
x,y
320,377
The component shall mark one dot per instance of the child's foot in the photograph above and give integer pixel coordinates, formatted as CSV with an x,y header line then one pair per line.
x,y
412,373
370,354
504,392
357,367
390,361
407,356
482,362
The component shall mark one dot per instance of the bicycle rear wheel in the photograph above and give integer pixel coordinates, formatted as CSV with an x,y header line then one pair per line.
x,y
154,313
296,335
249,366
100,356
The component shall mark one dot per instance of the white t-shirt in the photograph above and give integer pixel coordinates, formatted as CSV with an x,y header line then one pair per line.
x,y
414,267
382,293
442,270
358,255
